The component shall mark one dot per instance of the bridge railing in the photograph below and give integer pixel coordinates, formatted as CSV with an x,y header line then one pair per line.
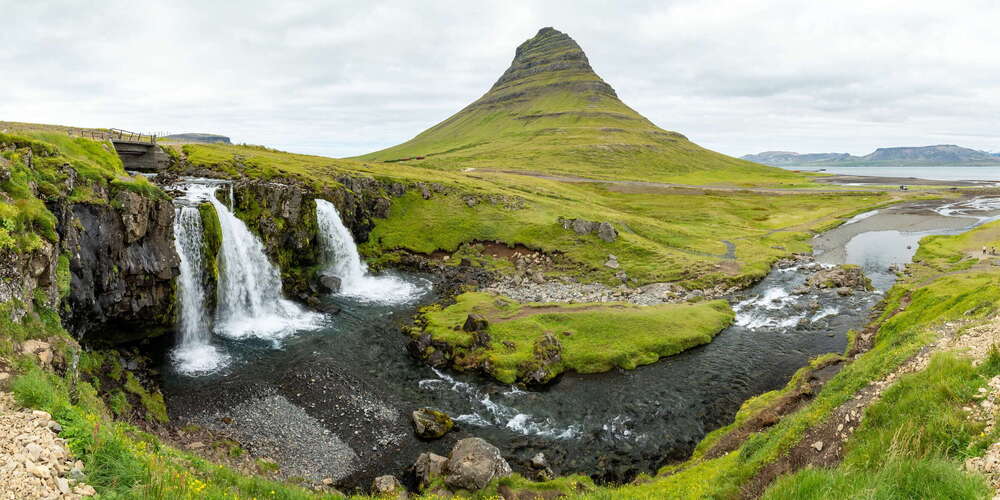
x,y
116,134
124,135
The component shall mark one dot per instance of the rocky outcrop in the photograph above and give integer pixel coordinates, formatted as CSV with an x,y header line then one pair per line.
x,y
845,277
283,215
546,354
122,265
603,230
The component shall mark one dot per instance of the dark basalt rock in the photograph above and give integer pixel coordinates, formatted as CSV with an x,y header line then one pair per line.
x,y
476,323
329,283
122,263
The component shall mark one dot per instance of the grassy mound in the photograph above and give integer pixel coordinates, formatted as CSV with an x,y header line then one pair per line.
x,y
588,338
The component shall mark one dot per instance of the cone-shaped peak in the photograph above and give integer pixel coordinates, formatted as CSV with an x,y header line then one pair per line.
x,y
550,51
550,112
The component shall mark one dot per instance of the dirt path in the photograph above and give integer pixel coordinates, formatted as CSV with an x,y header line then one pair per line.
x,y
823,445
672,186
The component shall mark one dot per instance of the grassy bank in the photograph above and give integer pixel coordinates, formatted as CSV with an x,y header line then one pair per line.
x,y
911,443
588,338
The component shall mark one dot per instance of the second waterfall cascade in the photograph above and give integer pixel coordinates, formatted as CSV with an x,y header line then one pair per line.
x,y
344,262
250,302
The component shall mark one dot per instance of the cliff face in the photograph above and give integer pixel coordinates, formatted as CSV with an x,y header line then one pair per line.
x,y
283,215
80,237
122,264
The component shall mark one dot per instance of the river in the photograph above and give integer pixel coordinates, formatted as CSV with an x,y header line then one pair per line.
x,y
331,395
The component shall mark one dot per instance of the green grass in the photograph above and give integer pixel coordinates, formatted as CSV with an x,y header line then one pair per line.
x,y
40,166
911,443
594,337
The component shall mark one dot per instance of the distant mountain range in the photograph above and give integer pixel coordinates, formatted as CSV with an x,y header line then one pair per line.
x,y
202,138
940,155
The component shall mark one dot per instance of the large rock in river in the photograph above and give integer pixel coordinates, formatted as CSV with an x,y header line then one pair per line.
x,y
473,463
431,424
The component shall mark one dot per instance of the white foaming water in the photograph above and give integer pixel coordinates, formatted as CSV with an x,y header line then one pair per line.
x,y
861,217
498,414
194,352
250,303
826,312
345,263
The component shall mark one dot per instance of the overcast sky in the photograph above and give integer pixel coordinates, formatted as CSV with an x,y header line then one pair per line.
x,y
341,78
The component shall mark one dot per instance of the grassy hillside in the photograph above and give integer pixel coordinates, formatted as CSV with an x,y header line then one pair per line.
x,y
550,112
665,234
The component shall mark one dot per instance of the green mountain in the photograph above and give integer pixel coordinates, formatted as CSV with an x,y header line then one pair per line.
x,y
550,112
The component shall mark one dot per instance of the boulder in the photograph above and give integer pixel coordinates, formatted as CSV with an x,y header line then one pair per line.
x,y
473,463
431,424
475,323
329,283
606,232
388,486
846,276
428,467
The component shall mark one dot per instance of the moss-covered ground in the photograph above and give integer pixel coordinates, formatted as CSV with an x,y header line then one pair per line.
x,y
593,337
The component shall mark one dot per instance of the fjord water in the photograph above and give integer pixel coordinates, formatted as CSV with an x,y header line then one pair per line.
x,y
936,173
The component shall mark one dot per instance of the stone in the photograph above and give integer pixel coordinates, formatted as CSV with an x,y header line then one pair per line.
x,y
431,424
63,486
612,262
34,451
606,232
86,490
388,485
475,323
473,463
329,283
427,467
818,446
40,471
538,461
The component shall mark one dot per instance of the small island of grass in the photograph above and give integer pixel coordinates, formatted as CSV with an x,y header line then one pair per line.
x,y
533,343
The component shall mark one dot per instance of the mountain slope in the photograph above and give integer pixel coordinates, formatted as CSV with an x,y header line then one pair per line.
x,y
550,112
940,155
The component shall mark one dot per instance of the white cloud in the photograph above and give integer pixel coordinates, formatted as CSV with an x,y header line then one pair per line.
x,y
343,78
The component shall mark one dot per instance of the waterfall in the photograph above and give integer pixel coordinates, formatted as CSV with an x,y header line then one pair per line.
x,y
250,302
344,262
194,352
